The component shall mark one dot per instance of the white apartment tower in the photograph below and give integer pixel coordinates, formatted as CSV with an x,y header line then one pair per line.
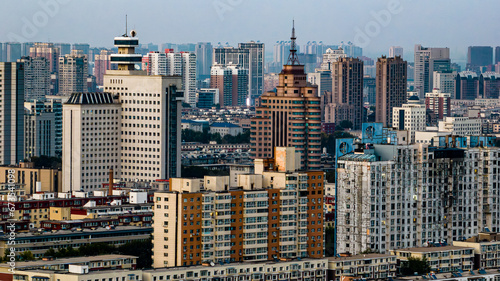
x,y
396,51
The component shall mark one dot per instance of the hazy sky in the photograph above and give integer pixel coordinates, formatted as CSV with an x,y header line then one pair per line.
x,y
374,24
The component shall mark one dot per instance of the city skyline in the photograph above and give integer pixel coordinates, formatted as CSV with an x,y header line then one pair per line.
x,y
227,21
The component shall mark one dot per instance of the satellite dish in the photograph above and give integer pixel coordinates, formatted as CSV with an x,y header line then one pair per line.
x,y
133,33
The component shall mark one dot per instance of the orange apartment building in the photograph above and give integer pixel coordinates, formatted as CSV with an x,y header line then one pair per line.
x,y
276,213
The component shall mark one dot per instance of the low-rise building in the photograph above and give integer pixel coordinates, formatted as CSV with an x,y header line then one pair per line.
x,y
102,262
78,273
486,249
441,259
462,126
48,180
226,129
369,266
39,242
283,270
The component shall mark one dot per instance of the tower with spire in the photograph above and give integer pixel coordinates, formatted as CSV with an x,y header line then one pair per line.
x,y
291,116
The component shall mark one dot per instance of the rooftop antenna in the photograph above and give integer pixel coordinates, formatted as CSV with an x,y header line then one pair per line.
x,y
126,25
293,58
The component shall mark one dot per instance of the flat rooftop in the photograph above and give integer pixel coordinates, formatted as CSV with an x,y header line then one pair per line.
x,y
75,260
432,249
360,257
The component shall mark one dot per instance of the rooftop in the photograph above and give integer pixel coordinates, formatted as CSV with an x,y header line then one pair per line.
x,y
90,98
75,260
432,249
224,125
76,232
359,157
360,257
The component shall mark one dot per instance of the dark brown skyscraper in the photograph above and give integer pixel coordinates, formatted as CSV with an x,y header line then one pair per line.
x,y
346,100
291,116
390,87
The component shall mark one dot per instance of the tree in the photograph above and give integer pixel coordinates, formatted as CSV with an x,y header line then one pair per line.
x,y
46,162
329,241
50,253
26,256
330,176
345,124
421,266
141,249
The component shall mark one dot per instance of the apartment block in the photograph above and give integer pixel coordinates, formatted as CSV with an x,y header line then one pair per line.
x,y
486,246
390,87
275,213
409,117
427,60
285,269
369,266
73,72
392,196
441,259
439,103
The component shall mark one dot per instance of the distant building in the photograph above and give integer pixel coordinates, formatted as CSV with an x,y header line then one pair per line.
x,y
409,117
11,113
395,51
48,51
445,82
102,63
369,90
207,98
390,88
73,72
497,57
232,83
428,60
43,128
64,48
225,129
12,51
439,103
83,47
191,125
346,99
330,56
204,54
467,86
478,56
461,126
36,78
489,85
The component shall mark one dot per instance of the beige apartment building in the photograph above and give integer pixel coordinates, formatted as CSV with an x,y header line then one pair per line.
x,y
440,259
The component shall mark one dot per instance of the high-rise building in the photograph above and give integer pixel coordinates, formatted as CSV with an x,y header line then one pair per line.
x,y
409,117
478,56
26,48
204,52
401,175
102,63
369,90
11,113
232,83
49,52
346,99
291,116
91,147
12,51
330,56
445,81
155,63
439,103
73,72
276,213
396,51
351,50
64,48
1,52
248,56
497,56
467,86
43,120
84,47
36,78
428,60
189,77
390,88
280,55
489,85
321,78
151,116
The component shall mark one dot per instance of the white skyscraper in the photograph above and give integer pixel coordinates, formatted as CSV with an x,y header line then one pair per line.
x,y
189,78
395,51
156,63
91,140
409,117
